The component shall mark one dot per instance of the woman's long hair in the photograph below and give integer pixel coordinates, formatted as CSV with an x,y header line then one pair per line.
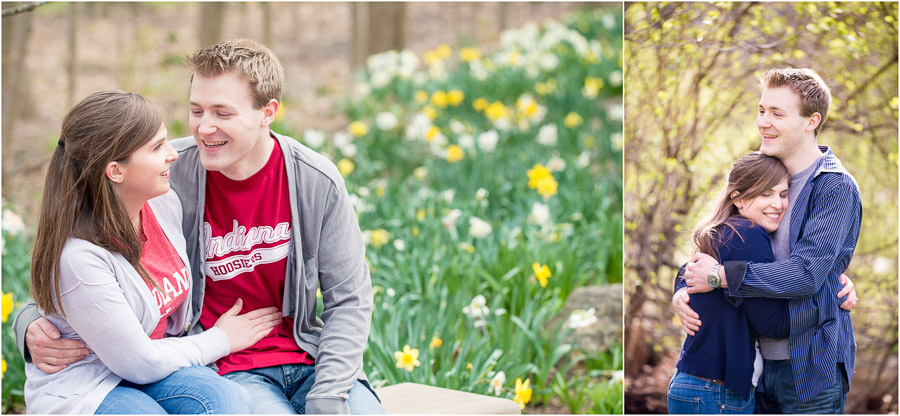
x,y
751,175
79,200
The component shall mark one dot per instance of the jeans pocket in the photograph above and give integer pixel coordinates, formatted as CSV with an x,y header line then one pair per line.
x,y
736,404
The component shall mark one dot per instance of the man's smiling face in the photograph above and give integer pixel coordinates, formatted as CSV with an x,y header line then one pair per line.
x,y
781,127
229,131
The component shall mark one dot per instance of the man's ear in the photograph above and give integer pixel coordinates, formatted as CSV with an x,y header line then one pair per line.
x,y
270,110
114,172
813,122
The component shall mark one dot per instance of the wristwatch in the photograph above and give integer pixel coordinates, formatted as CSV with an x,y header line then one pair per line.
x,y
713,277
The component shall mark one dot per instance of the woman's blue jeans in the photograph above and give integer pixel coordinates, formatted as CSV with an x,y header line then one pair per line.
x,y
191,390
691,395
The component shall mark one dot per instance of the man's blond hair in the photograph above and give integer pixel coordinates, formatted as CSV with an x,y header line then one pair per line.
x,y
815,96
246,58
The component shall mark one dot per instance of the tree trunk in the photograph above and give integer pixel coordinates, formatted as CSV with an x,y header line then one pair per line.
x,y
211,20
16,102
387,27
72,64
267,24
359,28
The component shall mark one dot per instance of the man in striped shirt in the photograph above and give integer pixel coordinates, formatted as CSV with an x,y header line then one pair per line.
x,y
811,253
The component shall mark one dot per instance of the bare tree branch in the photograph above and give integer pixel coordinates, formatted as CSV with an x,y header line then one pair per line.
x,y
23,8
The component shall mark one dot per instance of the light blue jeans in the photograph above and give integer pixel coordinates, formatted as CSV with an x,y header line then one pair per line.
x,y
691,395
192,390
282,389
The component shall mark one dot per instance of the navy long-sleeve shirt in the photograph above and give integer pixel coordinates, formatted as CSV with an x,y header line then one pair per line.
x,y
725,346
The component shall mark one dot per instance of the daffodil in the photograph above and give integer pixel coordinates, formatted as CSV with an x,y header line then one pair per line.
x,y
479,228
439,99
573,120
358,128
420,173
547,187
546,87
435,343
430,112
379,238
592,86
408,358
345,166
581,318
469,367
444,51
467,247
420,214
3,364
421,96
523,392
480,104
469,54
7,305
455,97
541,272
536,173
495,111
455,153
319,293
497,383
432,133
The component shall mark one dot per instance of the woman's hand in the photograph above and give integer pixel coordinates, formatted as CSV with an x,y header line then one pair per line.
x,y
849,289
245,330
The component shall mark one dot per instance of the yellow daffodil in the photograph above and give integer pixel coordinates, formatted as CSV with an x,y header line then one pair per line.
x,y
469,367
408,358
495,111
280,114
379,238
573,120
592,86
439,98
541,272
480,104
455,97
7,305
420,214
537,173
455,153
435,343
547,187
319,293
358,128
415,231
546,87
469,54
345,166
526,106
431,57
430,112
421,96
523,392
432,132
467,247
3,364
444,51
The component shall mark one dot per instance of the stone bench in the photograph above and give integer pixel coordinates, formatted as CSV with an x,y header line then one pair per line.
x,y
412,398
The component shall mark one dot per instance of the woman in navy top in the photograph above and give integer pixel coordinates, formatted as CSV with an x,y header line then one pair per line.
x,y
716,367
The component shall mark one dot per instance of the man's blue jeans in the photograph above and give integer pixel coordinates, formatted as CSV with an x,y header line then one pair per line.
x,y
780,394
691,395
191,390
282,389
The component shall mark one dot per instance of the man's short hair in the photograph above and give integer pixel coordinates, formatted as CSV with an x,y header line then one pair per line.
x,y
815,96
245,58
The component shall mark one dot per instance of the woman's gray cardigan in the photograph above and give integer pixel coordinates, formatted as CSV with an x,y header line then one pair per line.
x,y
109,306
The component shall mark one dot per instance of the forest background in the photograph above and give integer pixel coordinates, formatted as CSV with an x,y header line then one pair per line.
x,y
691,96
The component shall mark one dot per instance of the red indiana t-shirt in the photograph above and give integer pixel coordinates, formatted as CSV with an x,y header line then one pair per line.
x,y
161,260
247,228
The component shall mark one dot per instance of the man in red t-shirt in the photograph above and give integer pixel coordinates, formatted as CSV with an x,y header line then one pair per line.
x,y
268,220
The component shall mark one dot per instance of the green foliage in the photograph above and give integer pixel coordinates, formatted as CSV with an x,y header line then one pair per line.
x,y
692,93
16,272
441,266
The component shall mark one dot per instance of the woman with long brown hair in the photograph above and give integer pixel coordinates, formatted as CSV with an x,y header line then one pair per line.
x,y
109,268
717,369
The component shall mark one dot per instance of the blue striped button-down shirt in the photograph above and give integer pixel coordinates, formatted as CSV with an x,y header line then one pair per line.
x,y
825,221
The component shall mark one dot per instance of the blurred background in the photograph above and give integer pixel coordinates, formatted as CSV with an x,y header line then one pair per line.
x,y
691,99
481,144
